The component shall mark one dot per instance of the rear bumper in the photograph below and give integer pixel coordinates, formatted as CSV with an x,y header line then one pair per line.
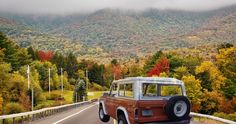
x,y
187,121
173,122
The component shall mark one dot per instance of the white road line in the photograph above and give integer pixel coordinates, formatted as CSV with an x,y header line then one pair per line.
x,y
73,114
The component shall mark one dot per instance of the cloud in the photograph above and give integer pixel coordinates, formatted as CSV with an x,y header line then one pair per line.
x,y
83,6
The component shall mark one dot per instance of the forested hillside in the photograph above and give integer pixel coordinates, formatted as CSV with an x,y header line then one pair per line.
x,y
209,78
111,33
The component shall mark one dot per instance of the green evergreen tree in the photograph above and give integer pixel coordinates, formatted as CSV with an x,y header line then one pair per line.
x,y
72,66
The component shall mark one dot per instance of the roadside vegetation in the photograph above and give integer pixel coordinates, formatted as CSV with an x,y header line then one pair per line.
x,y
209,78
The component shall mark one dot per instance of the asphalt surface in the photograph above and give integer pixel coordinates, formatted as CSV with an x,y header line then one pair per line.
x,y
86,114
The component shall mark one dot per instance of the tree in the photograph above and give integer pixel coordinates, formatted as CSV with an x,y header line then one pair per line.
x,y
43,70
95,74
180,72
45,56
80,91
116,72
214,76
152,61
72,66
114,62
161,66
13,54
175,62
191,62
22,58
226,61
224,46
1,55
34,82
13,108
33,53
81,74
213,97
59,60
135,70
194,91
211,102
4,80
17,86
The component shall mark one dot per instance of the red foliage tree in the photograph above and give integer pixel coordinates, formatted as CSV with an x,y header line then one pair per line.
x,y
45,56
162,66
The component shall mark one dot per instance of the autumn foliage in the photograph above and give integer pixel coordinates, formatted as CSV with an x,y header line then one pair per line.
x,y
161,66
45,56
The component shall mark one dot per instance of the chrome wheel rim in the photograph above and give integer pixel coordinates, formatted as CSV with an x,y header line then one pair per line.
x,y
121,122
180,108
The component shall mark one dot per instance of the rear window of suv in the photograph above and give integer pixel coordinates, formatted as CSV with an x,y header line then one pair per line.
x,y
154,90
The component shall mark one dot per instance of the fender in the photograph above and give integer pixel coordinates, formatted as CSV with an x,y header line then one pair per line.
x,y
125,112
103,107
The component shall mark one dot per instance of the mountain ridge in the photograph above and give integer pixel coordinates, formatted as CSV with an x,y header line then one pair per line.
x,y
113,33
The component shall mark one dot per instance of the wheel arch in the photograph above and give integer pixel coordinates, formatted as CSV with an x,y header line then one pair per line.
x,y
101,103
120,110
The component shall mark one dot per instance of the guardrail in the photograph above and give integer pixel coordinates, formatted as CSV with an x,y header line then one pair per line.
x,y
208,119
26,117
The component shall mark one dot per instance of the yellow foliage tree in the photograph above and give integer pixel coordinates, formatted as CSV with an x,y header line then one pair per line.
x,y
215,76
180,72
226,61
211,102
194,91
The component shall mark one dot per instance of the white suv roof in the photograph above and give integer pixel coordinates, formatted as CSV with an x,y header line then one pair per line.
x,y
158,80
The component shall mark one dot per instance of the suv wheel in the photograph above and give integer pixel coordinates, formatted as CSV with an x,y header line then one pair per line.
x,y
178,108
103,117
121,119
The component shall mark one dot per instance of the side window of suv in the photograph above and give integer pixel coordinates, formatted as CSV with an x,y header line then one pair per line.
x,y
126,90
113,90
129,90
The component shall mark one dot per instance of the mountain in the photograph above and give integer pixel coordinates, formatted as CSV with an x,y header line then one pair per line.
x,y
112,33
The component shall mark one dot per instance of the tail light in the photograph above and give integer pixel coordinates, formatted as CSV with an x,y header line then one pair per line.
x,y
136,116
136,113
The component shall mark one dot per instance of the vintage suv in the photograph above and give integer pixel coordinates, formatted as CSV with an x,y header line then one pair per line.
x,y
139,100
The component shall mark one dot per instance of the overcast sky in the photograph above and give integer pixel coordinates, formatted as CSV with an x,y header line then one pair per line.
x,y
81,6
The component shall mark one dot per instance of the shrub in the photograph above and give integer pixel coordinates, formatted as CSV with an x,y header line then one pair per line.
x,y
226,116
12,108
55,96
43,105
97,87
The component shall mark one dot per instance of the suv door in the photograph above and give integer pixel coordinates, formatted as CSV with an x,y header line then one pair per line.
x,y
111,101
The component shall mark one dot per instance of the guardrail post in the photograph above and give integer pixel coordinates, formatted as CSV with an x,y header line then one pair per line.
x,y
21,119
3,121
28,119
13,120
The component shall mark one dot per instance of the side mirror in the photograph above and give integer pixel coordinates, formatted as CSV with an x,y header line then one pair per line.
x,y
105,94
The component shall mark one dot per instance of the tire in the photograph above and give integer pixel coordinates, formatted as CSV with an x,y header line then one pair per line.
x,y
178,108
102,116
121,119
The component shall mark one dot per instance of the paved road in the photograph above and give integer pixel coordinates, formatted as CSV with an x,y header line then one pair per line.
x,y
87,114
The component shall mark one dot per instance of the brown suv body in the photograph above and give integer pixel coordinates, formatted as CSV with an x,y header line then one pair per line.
x,y
141,100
